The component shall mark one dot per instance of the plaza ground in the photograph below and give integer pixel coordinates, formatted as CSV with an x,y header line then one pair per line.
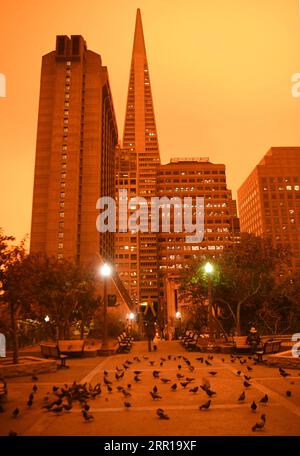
x,y
226,415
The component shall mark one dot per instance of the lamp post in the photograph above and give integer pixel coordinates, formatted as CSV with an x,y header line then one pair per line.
x,y
209,269
105,272
178,316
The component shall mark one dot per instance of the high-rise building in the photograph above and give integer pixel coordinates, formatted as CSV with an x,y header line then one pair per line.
x,y
269,200
75,154
137,162
191,178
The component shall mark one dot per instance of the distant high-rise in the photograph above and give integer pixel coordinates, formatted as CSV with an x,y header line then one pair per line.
x,y
75,154
137,162
269,200
191,178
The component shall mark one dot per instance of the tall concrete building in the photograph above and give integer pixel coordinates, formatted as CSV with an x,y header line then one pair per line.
x,y
75,154
136,166
269,200
191,178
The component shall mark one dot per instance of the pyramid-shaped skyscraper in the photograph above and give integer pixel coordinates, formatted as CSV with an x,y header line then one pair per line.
x,y
137,162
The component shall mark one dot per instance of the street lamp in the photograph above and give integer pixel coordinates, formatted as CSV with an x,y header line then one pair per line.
x,y
208,268
178,317
105,272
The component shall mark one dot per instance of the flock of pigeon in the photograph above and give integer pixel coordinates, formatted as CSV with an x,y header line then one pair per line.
x,y
63,398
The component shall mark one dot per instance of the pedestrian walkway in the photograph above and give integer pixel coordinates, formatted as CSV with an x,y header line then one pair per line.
x,y
225,415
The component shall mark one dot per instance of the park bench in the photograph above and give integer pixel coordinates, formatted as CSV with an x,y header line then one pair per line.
x,y
124,345
269,347
71,347
187,336
3,389
52,351
191,343
240,343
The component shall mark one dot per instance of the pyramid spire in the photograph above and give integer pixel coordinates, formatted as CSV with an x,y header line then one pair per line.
x,y
139,159
139,42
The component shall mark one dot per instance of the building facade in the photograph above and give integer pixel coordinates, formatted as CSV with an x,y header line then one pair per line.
x,y
136,164
191,178
269,200
75,154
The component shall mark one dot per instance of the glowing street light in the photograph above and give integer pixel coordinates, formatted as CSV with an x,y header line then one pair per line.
x,y
105,271
178,314
208,268
47,318
131,316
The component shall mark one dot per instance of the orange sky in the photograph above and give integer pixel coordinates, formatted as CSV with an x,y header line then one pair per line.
x,y
220,73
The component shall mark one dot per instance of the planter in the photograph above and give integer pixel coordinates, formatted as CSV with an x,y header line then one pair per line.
x,y
28,365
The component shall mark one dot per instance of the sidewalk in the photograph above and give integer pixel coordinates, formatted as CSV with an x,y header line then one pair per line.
x,y
226,415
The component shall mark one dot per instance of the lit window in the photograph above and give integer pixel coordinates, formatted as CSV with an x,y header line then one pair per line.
x,y
61,214
60,245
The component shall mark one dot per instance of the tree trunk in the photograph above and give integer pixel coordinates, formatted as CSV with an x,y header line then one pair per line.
x,y
238,319
82,328
15,335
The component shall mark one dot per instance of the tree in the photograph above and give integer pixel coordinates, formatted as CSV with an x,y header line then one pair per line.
x,y
244,274
12,305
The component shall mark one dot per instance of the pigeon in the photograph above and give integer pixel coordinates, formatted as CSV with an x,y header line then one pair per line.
x,y
16,413
288,393
151,363
253,406
162,415
264,399
127,405
213,373
34,378
67,407
155,374
205,406
260,425
194,390
210,393
208,363
165,380
242,397
247,377
284,374
184,384
129,386
249,368
179,366
155,395
119,369
238,372
163,359
109,388
155,389
201,359
34,388
105,373
107,382
137,378
137,372
223,360
87,417
86,407
120,388
30,402
191,368
190,379
246,384
179,376
126,393
57,409
174,387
